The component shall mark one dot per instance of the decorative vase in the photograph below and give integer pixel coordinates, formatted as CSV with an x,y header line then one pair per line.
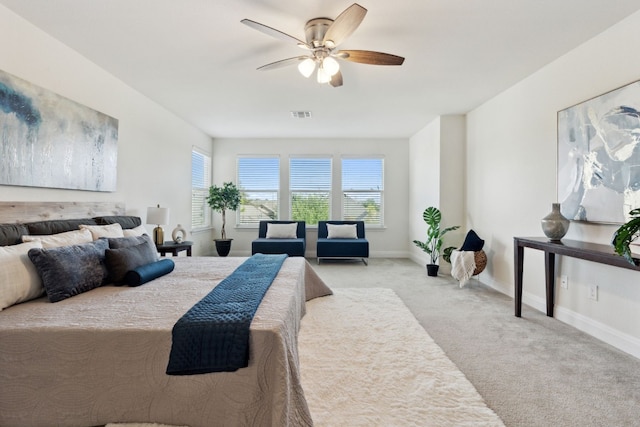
x,y
432,270
179,234
555,225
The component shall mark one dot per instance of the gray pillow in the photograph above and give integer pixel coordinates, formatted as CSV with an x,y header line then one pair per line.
x,y
124,242
120,261
126,221
11,234
56,226
70,270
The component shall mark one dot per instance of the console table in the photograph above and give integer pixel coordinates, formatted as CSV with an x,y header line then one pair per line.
x,y
603,254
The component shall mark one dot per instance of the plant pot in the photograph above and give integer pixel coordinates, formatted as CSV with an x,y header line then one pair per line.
x,y
223,246
432,270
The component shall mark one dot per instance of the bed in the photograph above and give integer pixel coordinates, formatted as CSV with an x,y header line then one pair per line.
x,y
101,356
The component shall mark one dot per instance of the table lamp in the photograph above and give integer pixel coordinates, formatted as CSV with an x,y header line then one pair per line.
x,y
158,216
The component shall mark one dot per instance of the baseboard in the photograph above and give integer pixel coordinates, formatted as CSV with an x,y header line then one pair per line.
x,y
611,336
620,340
312,254
389,254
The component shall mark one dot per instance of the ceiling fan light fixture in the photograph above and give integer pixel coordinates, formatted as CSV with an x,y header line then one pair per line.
x,y
323,76
306,67
330,65
322,38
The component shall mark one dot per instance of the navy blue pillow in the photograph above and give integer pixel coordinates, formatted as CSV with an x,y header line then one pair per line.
x,y
472,242
145,273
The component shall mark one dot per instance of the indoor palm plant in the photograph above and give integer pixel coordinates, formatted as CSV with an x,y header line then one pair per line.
x,y
220,199
433,245
626,234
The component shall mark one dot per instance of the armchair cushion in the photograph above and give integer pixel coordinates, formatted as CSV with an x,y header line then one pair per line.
x,y
282,231
342,231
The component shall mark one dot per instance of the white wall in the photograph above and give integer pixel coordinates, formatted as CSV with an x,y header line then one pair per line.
x,y
391,241
154,146
437,178
511,183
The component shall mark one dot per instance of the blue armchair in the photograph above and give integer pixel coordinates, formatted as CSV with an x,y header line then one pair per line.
x,y
342,246
292,246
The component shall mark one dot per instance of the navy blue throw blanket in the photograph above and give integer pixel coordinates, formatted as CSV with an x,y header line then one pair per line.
x,y
213,336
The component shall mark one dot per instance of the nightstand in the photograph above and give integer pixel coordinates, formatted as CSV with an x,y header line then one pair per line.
x,y
173,248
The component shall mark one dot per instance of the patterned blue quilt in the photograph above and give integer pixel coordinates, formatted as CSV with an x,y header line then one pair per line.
x,y
213,336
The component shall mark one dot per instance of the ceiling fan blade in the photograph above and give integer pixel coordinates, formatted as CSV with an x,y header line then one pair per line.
x,y
282,63
273,32
370,57
345,24
336,79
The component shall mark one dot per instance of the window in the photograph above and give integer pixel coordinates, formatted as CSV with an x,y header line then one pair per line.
x,y
259,184
200,183
362,190
310,189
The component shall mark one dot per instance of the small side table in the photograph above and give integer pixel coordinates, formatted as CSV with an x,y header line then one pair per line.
x,y
173,248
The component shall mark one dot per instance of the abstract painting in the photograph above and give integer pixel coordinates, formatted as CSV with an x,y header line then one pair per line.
x,y
599,157
47,140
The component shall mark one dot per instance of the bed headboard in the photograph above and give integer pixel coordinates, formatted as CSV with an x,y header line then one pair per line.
x,y
21,212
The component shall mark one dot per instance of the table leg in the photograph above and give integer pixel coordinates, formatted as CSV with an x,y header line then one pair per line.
x,y
518,254
550,279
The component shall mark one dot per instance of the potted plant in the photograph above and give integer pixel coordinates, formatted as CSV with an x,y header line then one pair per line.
x,y
220,199
627,233
433,245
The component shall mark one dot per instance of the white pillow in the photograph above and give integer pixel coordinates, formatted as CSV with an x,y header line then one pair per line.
x,y
282,231
342,231
19,279
137,231
68,238
98,231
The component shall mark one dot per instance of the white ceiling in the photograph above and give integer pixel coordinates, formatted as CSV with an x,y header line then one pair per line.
x,y
196,59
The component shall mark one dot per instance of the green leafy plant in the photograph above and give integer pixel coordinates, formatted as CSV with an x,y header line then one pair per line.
x,y
433,245
222,198
626,234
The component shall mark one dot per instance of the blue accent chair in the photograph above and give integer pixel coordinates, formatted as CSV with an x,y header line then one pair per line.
x,y
291,247
342,248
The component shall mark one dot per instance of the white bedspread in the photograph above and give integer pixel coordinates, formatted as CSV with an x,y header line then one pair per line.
x,y
101,356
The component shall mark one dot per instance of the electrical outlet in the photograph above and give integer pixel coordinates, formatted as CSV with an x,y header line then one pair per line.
x,y
593,292
564,282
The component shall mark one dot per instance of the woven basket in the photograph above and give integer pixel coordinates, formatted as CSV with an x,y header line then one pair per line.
x,y
481,262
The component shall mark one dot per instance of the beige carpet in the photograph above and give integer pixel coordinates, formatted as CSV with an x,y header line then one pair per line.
x,y
366,361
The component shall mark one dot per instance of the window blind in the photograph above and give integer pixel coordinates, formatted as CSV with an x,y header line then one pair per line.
x,y
259,183
363,189
310,189
200,183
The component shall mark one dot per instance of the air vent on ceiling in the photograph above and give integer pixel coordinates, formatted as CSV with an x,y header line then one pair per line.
x,y
301,114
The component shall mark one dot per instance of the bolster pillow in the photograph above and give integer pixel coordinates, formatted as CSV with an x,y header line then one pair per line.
x,y
145,273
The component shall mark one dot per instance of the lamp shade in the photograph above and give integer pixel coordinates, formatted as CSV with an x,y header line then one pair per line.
x,y
330,65
306,67
158,215
323,76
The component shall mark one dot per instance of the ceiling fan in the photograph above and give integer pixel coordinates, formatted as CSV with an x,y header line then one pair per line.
x,y
323,35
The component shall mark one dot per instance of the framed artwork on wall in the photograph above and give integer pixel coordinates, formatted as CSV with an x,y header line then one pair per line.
x,y
599,157
47,140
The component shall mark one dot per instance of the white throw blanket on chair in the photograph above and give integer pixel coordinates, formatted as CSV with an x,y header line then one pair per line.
x,y
463,263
